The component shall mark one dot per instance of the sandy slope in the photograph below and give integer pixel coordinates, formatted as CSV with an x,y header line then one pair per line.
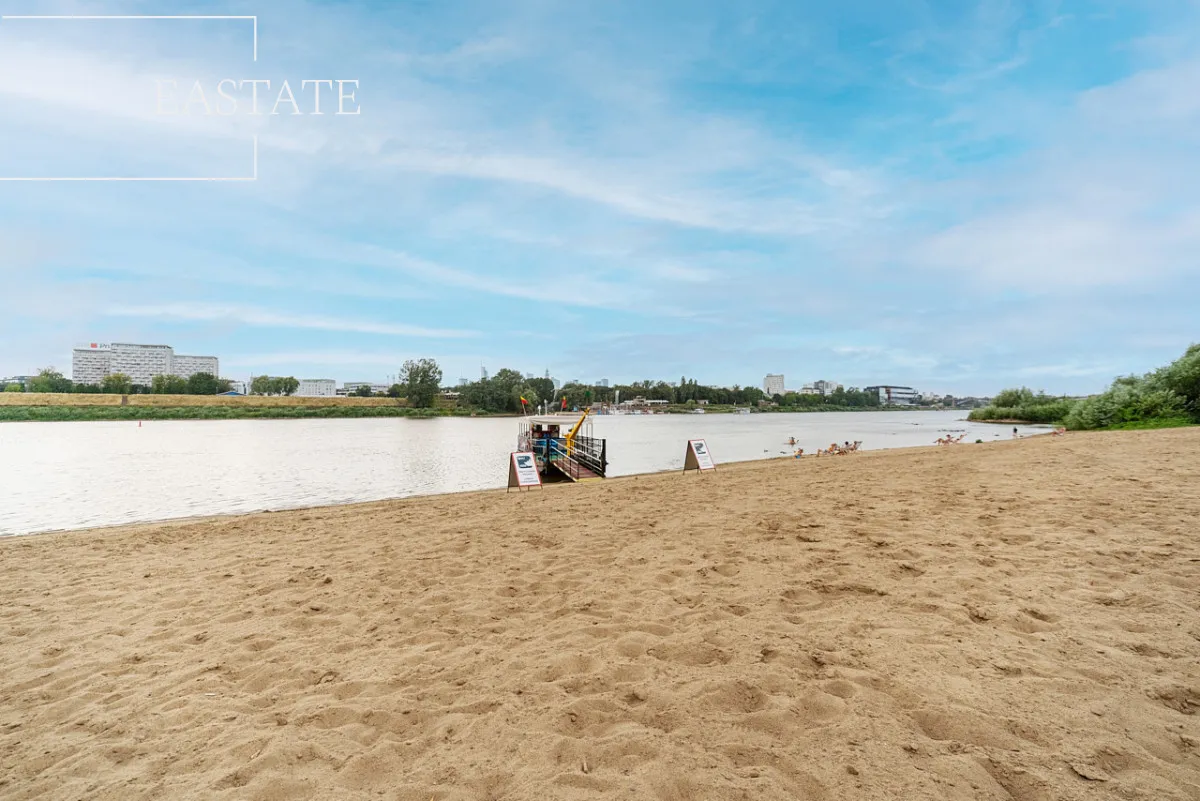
x,y
1013,620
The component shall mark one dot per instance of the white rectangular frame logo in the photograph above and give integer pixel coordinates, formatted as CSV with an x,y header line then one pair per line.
x,y
50,179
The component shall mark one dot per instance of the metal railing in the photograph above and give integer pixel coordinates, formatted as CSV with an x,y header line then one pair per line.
x,y
586,454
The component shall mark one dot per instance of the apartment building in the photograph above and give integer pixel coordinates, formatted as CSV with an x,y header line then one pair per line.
x,y
317,388
773,384
90,364
187,366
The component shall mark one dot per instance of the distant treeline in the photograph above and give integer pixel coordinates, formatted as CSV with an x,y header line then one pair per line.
x,y
1169,396
503,392
50,380
20,414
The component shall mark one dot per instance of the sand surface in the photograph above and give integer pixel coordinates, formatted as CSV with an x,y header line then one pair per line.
x,y
1015,620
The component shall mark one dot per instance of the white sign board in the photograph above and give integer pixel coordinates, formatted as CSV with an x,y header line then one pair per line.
x,y
698,456
522,470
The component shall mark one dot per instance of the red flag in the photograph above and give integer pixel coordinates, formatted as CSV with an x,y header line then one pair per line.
x,y
564,402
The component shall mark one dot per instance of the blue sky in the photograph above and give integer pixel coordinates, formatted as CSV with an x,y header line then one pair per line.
x,y
956,196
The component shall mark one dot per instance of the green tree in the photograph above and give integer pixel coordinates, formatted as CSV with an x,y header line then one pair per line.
x,y
1181,377
260,385
289,385
169,385
395,391
202,384
13,388
422,378
50,380
363,391
542,387
1013,397
116,384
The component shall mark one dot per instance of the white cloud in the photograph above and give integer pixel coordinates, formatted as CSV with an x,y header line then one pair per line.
x,y
883,357
616,187
266,318
1109,196
320,358
1072,369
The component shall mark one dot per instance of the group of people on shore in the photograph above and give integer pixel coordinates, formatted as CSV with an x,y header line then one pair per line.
x,y
833,450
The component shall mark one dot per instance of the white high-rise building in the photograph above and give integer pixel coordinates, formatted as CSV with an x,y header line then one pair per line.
x,y
317,388
188,366
89,365
773,384
140,362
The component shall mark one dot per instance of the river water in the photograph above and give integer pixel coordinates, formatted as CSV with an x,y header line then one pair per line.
x,y
77,475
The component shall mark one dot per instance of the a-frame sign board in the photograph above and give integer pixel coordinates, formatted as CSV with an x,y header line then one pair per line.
x,y
522,471
698,457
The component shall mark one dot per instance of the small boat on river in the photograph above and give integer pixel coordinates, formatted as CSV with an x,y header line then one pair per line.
x,y
573,456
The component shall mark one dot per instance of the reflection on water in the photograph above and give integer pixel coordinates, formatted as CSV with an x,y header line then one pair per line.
x,y
74,475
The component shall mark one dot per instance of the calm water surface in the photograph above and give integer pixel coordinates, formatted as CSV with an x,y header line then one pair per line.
x,y
76,475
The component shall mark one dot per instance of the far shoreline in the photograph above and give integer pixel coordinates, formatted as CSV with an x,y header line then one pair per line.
x,y
135,412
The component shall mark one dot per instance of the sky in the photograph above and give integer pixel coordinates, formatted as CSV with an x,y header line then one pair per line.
x,y
956,196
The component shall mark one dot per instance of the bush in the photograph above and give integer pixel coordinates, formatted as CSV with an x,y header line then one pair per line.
x,y
1168,396
1125,401
1022,404
1182,377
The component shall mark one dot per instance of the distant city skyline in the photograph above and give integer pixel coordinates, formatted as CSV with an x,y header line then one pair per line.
x,y
956,196
388,378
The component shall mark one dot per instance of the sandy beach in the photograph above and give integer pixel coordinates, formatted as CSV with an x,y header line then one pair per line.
x,y
1014,620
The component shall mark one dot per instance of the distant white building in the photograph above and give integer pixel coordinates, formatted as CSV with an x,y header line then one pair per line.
x,y
317,388
603,382
890,395
773,384
350,386
820,388
90,364
188,366
26,381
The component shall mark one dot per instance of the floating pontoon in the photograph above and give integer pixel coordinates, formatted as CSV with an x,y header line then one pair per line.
x,y
573,456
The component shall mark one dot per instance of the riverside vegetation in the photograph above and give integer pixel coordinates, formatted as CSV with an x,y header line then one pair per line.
x,y
1166,397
